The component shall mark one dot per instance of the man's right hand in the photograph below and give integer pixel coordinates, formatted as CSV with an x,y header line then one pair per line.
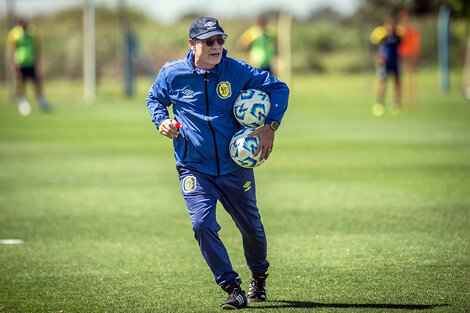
x,y
169,129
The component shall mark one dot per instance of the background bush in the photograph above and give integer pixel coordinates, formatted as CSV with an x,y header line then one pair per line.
x,y
326,42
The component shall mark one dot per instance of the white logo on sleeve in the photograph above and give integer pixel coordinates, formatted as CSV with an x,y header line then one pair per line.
x,y
188,93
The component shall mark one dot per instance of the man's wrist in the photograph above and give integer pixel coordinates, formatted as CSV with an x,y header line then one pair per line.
x,y
274,125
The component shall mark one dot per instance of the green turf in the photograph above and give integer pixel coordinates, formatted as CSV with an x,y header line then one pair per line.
x,y
362,214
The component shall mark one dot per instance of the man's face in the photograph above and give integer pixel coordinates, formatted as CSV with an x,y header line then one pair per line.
x,y
390,23
22,23
207,52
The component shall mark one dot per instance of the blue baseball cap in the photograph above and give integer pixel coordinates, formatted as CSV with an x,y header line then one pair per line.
x,y
205,27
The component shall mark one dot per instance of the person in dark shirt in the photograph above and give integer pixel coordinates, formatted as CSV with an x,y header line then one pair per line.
x,y
386,39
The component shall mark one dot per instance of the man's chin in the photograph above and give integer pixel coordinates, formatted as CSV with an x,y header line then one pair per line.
x,y
215,61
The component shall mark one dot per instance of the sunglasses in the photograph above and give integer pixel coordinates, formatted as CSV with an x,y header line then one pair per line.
x,y
210,41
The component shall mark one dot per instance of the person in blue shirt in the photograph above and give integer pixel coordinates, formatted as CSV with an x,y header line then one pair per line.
x,y
201,89
385,40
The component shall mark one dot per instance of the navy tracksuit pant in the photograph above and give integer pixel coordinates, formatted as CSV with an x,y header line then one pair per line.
x,y
237,193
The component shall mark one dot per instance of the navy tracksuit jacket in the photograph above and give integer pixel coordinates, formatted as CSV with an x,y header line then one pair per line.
x,y
202,102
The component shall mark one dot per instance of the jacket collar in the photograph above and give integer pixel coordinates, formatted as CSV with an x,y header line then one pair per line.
x,y
195,70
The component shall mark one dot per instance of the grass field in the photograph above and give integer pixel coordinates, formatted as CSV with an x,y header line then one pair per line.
x,y
362,214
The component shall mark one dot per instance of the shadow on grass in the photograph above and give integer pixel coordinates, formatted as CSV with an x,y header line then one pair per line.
x,y
303,304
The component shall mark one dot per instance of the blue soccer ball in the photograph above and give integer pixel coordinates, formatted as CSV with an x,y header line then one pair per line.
x,y
242,149
251,108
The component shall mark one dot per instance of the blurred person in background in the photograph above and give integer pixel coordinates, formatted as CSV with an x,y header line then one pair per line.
x,y
261,45
202,89
408,50
385,40
23,54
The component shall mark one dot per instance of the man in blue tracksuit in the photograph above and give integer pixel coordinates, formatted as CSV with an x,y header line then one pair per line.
x,y
202,89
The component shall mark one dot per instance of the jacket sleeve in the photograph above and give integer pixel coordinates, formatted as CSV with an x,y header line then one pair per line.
x,y
278,91
158,99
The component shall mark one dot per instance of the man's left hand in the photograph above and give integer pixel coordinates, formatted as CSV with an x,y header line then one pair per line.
x,y
265,136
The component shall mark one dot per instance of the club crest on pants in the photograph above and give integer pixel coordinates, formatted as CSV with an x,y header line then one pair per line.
x,y
189,184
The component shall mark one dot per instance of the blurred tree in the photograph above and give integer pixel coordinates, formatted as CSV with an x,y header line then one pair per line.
x,y
461,7
377,8
326,14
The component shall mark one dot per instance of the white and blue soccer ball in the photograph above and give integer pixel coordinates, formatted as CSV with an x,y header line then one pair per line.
x,y
242,149
251,108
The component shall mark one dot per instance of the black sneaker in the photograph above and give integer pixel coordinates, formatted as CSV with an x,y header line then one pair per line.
x,y
257,292
236,297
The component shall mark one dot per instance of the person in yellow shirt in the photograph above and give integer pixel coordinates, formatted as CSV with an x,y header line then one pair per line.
x,y
23,54
386,39
261,44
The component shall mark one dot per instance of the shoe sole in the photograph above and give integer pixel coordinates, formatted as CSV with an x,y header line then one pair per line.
x,y
230,307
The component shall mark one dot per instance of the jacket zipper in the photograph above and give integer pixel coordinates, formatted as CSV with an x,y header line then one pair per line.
x,y
185,149
210,126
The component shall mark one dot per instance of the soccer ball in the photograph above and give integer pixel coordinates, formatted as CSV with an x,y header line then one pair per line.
x,y
251,108
242,149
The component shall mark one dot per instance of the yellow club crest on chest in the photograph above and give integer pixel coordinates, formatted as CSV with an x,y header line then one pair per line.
x,y
224,90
